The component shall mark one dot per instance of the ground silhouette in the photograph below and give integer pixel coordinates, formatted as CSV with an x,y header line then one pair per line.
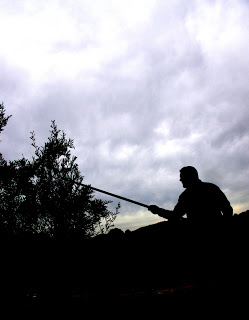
x,y
161,261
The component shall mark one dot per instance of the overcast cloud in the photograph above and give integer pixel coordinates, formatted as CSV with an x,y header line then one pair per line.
x,y
144,87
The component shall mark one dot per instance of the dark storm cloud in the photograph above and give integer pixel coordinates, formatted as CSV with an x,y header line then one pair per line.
x,y
141,95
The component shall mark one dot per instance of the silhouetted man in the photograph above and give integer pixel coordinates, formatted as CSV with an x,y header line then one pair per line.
x,y
201,201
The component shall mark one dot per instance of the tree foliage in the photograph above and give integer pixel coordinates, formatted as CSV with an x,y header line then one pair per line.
x,y
45,195
3,122
3,119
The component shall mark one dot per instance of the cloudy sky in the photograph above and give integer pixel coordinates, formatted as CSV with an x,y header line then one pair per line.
x,y
144,87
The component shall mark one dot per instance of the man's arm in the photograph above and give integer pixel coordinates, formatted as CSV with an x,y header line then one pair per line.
x,y
175,214
167,214
225,205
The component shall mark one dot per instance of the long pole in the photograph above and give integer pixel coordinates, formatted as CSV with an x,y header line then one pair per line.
x,y
113,195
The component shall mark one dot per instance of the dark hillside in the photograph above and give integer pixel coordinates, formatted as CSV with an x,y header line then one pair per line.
x,y
160,261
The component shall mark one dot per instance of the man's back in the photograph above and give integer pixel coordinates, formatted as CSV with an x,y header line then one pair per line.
x,y
203,201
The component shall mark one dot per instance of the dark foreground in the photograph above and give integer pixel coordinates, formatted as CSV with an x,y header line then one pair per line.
x,y
161,265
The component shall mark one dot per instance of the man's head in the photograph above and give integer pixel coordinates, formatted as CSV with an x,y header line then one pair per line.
x,y
188,176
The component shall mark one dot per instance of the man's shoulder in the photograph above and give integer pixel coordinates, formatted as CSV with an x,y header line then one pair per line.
x,y
199,188
210,185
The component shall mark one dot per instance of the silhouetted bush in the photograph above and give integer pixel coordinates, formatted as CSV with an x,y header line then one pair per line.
x,y
45,196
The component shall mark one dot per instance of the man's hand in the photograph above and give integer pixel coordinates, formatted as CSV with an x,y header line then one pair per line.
x,y
167,214
154,209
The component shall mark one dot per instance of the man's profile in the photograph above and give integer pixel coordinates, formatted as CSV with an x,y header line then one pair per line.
x,y
201,201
